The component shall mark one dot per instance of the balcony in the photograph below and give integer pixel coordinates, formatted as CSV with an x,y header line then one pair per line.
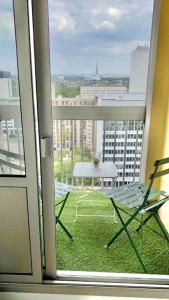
x,y
122,143
119,141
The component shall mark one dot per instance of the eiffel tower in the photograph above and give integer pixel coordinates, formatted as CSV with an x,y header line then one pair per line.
x,y
96,71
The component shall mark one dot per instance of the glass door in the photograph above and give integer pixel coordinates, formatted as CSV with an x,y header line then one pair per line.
x,y
98,88
20,259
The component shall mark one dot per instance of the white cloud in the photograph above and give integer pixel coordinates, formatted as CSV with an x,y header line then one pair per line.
x,y
96,11
60,18
62,22
106,24
114,12
106,17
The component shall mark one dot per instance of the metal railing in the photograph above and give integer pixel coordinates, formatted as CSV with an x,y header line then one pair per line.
x,y
118,141
75,140
11,149
11,163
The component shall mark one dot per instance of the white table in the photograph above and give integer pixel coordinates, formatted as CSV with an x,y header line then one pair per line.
x,y
86,170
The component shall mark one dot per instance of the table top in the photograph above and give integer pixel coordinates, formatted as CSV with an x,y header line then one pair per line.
x,y
86,169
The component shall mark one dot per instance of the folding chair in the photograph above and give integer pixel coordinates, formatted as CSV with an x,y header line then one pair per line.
x,y
62,191
145,199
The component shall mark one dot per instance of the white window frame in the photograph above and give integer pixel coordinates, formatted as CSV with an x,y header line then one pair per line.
x,y
76,282
30,180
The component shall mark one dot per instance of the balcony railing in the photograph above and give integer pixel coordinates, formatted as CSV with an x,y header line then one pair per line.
x,y
11,148
11,163
117,141
74,140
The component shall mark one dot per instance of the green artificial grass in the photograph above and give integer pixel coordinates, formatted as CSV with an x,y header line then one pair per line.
x,y
87,253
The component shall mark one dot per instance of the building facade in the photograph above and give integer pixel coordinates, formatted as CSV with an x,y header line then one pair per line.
x,y
139,69
68,134
91,92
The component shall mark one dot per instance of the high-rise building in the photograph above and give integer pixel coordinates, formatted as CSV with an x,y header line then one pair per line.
x,y
121,141
139,69
65,132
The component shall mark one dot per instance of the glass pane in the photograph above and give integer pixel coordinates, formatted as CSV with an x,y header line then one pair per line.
x,y
11,138
99,57
99,50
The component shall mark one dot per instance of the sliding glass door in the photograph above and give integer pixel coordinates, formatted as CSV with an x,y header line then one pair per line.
x,y
20,255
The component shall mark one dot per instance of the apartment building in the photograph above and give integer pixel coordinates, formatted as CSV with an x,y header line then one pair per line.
x,y
75,133
92,92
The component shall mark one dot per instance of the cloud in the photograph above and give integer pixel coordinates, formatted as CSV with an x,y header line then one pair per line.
x,y
115,12
83,31
60,20
62,23
106,25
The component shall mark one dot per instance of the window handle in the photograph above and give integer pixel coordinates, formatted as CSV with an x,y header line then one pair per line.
x,y
46,147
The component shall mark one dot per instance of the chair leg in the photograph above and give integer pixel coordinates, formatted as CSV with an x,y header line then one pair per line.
x,y
131,241
143,223
114,238
161,227
64,229
58,218
122,229
63,205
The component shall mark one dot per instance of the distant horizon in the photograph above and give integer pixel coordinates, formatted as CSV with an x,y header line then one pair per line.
x,y
91,74
74,74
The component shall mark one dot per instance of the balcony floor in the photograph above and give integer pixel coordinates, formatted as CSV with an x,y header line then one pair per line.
x,y
87,253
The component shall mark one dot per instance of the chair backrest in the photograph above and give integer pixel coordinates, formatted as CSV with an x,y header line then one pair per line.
x,y
157,164
157,174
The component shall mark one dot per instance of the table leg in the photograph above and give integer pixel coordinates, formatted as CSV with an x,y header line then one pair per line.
x,y
76,200
114,212
102,183
92,183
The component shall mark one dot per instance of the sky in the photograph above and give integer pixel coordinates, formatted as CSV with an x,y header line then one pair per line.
x,y
7,38
83,32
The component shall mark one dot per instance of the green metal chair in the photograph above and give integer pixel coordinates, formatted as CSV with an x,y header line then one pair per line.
x,y
62,191
145,200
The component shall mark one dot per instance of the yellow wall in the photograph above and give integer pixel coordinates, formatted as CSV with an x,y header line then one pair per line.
x,y
158,146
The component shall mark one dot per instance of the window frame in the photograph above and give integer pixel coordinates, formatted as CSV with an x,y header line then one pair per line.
x,y
120,282
29,181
